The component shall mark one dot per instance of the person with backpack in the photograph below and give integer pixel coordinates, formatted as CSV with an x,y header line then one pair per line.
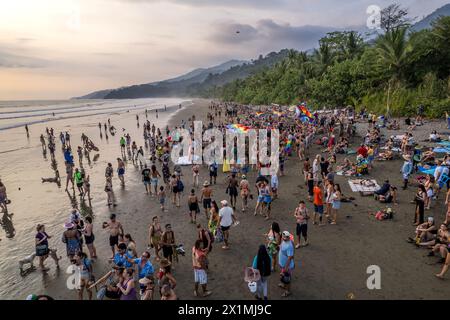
x,y
262,262
286,263
213,167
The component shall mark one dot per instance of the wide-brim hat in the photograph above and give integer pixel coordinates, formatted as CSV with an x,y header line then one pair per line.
x,y
146,280
407,157
68,225
206,184
164,263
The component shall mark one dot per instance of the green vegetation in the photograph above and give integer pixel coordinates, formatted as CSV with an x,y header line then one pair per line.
x,y
400,68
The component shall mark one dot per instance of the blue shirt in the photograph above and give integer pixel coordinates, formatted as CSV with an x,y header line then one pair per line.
x,y
146,270
286,250
121,261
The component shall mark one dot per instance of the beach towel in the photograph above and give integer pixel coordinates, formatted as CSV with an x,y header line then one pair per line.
x,y
426,171
445,143
441,150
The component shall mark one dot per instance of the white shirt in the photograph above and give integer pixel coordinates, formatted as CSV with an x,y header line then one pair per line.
x,y
226,214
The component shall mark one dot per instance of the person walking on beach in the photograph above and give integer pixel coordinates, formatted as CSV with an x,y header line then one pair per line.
x,y
193,206
199,266
155,233
232,189
109,171
123,144
71,237
244,187
162,198
89,237
262,262
146,179
168,243
115,230
121,171
69,172
174,183
79,180
28,132
206,198
226,220
154,178
336,202
286,263
42,249
301,217
111,198
3,197
195,175
318,203
68,139
406,170
42,139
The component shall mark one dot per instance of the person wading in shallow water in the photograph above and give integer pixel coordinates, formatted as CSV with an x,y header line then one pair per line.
x,y
115,230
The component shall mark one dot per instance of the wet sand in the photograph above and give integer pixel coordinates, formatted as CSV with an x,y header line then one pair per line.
x,y
331,267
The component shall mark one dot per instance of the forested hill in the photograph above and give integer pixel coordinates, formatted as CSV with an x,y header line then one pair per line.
x,y
399,70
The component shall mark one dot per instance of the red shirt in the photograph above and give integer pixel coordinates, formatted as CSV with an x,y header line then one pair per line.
x,y
362,151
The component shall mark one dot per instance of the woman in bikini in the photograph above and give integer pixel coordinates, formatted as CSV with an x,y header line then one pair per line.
x,y
244,186
193,206
154,175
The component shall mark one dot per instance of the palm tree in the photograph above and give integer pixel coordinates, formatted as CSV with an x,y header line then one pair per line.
x,y
323,57
393,48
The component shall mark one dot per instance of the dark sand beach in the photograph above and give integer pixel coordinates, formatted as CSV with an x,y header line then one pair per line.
x,y
331,267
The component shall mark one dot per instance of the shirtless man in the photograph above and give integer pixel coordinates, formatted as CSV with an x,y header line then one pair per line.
x,y
195,174
233,185
206,198
115,230
155,233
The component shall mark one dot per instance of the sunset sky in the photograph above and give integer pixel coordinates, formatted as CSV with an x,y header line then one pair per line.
x,y
57,49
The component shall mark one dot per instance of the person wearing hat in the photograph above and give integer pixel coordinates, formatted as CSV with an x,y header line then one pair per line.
x,y
71,237
165,275
286,263
206,198
226,219
148,283
406,170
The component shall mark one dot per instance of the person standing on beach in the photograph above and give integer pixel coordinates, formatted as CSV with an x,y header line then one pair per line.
x,y
42,139
199,266
206,198
42,249
262,262
69,171
286,263
146,179
226,220
110,192
154,178
26,129
68,139
193,206
115,230
406,170
89,237
155,233
168,242
3,197
244,187
79,180
195,175
123,144
121,171
232,189
318,203
109,171
302,217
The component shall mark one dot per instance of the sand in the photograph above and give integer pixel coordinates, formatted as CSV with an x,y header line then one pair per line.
x,y
331,267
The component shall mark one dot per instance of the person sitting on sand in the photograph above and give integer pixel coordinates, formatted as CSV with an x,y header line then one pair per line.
x,y
56,179
347,165
428,156
425,232
434,137
390,196
394,125
383,190
440,244
387,155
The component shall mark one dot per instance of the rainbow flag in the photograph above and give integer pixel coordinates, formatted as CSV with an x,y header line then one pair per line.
x,y
288,145
302,110
259,113
239,128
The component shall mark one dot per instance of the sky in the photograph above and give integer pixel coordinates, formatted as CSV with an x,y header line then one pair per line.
x,y
58,49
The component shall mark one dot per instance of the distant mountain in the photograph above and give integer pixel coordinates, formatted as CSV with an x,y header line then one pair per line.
x,y
165,87
425,23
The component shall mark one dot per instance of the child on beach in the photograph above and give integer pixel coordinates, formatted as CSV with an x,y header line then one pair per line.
x,y
162,198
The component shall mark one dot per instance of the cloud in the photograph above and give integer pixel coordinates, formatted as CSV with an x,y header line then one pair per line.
x,y
10,60
268,35
219,3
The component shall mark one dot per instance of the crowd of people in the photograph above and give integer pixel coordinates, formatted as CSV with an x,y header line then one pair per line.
x,y
134,275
